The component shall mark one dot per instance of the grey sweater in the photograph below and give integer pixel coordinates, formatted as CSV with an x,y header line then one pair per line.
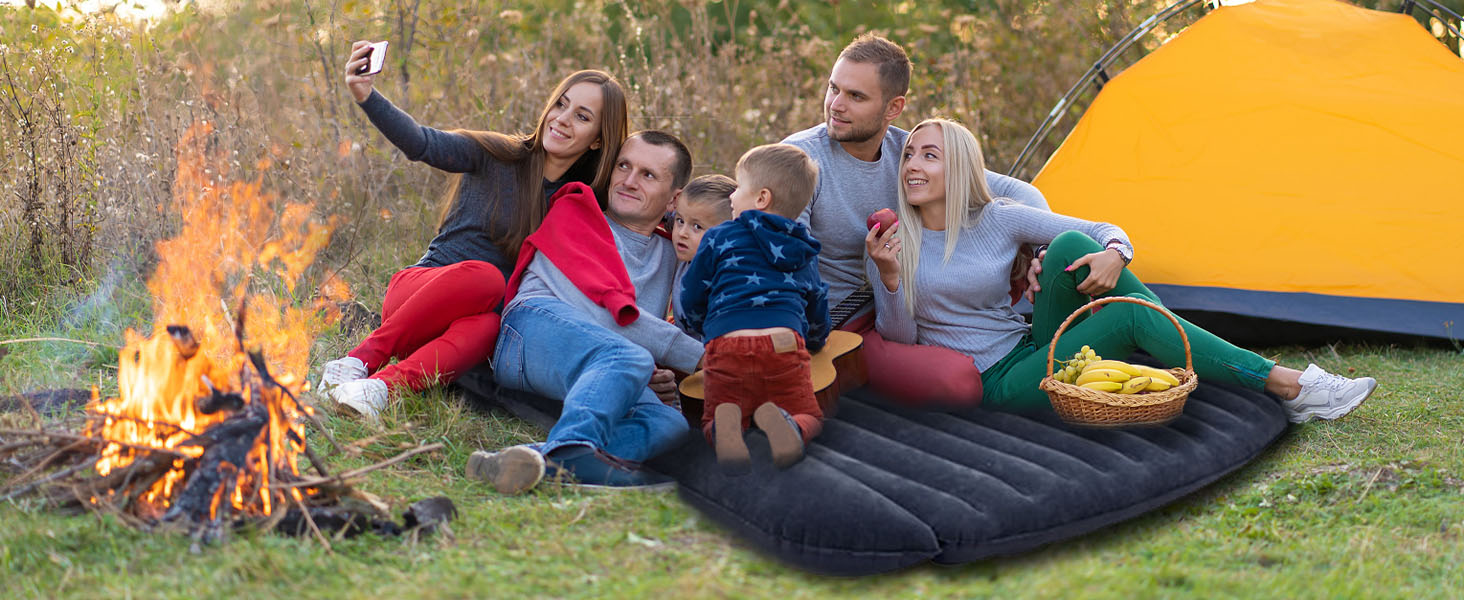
x,y
651,263
964,304
849,190
476,216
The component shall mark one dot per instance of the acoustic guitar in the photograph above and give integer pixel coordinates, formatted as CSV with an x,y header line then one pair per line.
x,y
837,368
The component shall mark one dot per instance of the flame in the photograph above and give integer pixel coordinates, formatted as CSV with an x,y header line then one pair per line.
x,y
235,238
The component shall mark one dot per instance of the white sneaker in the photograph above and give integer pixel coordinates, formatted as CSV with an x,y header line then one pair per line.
x,y
1326,396
342,370
366,397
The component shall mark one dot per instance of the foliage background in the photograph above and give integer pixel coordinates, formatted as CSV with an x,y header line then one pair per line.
x,y
91,105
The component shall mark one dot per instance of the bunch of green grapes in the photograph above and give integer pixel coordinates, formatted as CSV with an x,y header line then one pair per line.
x,y
1074,366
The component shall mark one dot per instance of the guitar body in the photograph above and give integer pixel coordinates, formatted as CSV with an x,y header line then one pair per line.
x,y
837,368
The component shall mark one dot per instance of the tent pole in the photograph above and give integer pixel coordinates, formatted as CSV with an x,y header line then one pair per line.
x,y
1098,75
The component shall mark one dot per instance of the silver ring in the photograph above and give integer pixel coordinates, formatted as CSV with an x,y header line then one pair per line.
x,y
887,245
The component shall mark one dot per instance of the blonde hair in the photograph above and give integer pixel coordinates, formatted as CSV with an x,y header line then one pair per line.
x,y
784,170
966,193
712,190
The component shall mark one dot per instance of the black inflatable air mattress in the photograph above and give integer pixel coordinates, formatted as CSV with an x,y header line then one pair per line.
x,y
886,487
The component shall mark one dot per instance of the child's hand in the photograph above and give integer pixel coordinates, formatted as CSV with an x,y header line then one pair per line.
x,y
883,248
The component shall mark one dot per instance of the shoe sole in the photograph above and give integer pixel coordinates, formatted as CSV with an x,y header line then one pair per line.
x,y
783,440
355,410
330,379
1335,413
732,454
511,471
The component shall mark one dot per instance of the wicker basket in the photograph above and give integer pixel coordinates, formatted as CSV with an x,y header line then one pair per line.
x,y
1082,406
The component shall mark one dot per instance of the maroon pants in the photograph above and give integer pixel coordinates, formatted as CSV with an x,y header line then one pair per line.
x,y
917,376
748,371
437,322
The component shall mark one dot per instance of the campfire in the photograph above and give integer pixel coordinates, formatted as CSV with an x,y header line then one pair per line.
x,y
208,429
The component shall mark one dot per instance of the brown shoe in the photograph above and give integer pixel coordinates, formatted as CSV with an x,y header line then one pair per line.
x,y
512,470
727,432
784,439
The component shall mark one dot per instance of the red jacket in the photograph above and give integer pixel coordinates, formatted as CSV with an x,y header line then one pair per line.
x,y
577,239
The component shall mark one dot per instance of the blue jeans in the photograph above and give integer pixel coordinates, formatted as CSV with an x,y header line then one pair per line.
x,y
545,347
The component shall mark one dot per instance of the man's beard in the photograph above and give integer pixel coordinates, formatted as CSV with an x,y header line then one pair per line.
x,y
856,134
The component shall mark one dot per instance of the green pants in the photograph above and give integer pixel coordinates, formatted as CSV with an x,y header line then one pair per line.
x,y
1115,331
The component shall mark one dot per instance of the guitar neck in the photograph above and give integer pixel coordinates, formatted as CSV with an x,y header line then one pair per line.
x,y
851,305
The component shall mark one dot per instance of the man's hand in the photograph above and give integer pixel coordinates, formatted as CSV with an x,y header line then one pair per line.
x,y
663,383
1033,271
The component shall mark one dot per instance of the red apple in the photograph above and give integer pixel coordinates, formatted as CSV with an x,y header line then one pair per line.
x,y
885,217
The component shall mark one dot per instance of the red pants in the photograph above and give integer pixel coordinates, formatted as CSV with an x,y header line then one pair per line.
x,y
437,321
747,371
917,376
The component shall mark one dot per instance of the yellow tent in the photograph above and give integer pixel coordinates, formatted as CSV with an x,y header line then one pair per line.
x,y
1292,159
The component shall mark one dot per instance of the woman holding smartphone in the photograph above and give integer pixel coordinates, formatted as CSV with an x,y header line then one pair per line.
x,y
439,316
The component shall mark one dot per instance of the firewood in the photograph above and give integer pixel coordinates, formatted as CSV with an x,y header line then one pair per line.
x,y
343,477
62,474
183,339
63,435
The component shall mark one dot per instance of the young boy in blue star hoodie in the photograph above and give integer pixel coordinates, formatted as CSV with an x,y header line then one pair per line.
x,y
754,293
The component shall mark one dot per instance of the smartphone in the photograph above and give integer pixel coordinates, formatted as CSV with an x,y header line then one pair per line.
x,y
376,59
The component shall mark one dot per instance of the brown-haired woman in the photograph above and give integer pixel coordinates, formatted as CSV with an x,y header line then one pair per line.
x,y
439,316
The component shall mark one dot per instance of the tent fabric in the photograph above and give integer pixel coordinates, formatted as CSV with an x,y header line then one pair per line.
x,y
1305,154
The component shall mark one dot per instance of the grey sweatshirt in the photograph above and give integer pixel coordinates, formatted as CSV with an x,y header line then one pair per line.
x,y
651,263
849,190
964,304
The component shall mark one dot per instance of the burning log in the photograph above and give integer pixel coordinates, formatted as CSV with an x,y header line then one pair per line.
x,y
203,435
191,447
183,339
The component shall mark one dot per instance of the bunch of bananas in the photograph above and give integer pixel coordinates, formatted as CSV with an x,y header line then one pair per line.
x,y
1087,369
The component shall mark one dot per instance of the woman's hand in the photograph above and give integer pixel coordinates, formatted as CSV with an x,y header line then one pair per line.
x,y
884,248
360,85
1034,271
1105,265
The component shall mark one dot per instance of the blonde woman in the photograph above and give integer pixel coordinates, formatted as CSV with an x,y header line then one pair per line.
x,y
941,278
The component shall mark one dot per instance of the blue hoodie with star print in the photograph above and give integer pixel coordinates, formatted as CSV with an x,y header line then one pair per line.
x,y
756,271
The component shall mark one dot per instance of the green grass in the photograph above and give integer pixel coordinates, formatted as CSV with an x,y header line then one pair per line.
x,y
1370,506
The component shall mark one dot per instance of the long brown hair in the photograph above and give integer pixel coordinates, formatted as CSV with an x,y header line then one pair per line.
x,y
526,151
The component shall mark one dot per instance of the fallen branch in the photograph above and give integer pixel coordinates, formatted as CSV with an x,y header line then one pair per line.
x,y
18,445
341,479
62,474
59,435
305,512
56,339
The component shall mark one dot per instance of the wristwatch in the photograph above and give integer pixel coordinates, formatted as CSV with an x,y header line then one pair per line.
x,y
1124,250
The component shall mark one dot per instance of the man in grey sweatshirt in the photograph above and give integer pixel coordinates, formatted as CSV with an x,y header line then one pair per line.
x,y
858,151
558,343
